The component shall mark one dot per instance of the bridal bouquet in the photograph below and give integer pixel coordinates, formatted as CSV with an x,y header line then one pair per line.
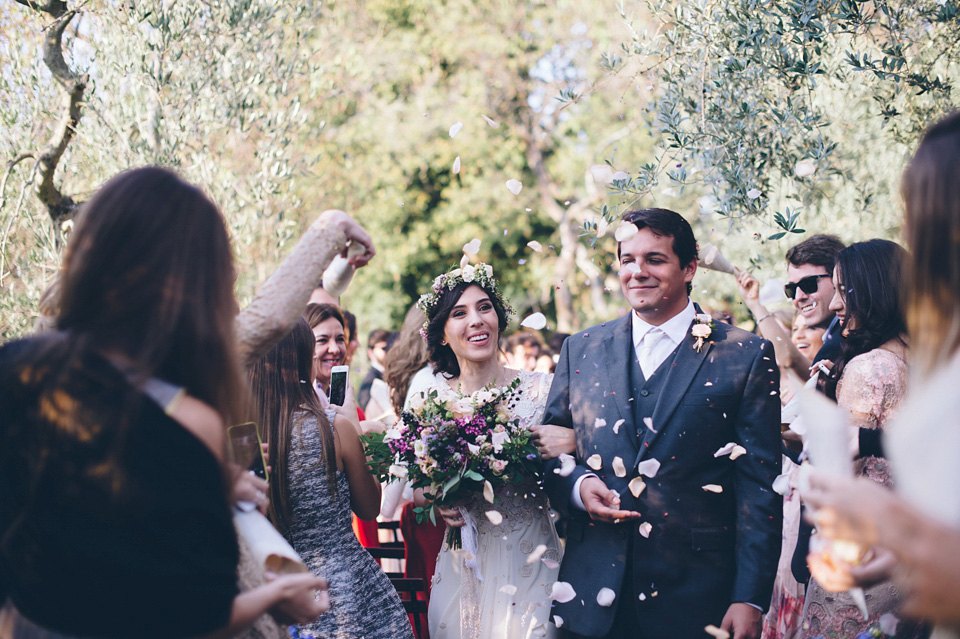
x,y
455,449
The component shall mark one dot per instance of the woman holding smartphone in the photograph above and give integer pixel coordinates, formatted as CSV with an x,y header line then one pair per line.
x,y
319,476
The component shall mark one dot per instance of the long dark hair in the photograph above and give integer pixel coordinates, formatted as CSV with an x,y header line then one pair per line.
x,y
443,358
406,356
281,387
871,274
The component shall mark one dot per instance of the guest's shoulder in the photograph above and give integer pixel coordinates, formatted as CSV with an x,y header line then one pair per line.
x,y
879,361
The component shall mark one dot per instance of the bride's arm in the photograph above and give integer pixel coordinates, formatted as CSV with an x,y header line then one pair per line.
x,y
281,300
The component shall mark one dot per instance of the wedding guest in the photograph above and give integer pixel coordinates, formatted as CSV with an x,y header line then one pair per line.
x,y
376,352
522,350
319,476
920,527
350,333
868,380
97,411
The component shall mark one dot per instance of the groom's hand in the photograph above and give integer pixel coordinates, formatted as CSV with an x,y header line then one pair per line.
x,y
603,504
742,621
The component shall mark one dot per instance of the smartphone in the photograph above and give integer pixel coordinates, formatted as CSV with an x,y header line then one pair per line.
x,y
338,384
246,450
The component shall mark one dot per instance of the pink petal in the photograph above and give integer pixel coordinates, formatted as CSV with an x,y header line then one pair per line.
x,y
562,592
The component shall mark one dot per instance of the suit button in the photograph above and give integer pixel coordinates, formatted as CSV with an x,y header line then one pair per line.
x,y
644,392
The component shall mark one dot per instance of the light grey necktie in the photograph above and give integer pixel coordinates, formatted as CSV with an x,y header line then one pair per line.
x,y
649,353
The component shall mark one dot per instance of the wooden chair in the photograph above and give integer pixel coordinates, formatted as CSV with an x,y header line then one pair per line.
x,y
413,594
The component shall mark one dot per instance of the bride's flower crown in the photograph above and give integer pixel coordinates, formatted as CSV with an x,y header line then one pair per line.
x,y
480,274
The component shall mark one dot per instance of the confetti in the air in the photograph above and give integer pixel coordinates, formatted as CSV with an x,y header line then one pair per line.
x,y
558,621
456,166
717,633
537,553
648,422
636,486
645,529
536,321
493,123
508,589
455,129
535,245
600,422
625,231
488,491
514,186
712,488
472,247
605,597
562,592
754,194
552,564
804,168
567,464
616,426
781,485
737,451
594,462
618,468
648,467
495,517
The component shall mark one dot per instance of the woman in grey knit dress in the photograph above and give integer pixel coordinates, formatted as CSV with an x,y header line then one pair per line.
x,y
319,475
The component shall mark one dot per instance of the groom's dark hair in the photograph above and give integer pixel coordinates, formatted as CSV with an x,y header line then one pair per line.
x,y
668,223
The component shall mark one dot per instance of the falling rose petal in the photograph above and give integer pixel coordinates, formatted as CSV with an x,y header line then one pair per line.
x,y
595,462
508,589
472,247
464,260
536,321
618,468
537,553
645,529
456,166
602,227
562,592
493,123
514,186
754,194
725,450
804,168
495,517
712,488
888,624
737,451
535,245
636,486
713,631
600,422
781,485
648,422
605,597
648,467
625,231
619,176
642,597
616,427
488,491
550,563
631,268
455,129
567,464
558,621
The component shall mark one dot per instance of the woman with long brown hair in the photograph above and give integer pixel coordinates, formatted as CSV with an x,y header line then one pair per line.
x,y
319,476
114,500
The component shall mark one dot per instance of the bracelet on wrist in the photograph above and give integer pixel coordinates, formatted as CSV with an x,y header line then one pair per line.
x,y
764,317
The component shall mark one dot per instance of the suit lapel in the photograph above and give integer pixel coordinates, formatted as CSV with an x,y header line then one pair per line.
x,y
618,351
680,375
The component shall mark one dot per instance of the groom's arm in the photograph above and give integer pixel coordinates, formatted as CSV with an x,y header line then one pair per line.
x,y
759,508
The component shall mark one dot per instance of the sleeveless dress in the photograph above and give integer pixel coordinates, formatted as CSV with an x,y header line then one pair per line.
x,y
363,602
505,595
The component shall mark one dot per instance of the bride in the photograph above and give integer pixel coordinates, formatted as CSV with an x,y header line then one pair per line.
x,y
504,590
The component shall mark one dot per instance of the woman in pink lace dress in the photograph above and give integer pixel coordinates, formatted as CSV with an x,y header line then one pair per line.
x,y
869,381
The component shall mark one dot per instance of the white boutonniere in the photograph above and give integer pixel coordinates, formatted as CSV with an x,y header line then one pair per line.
x,y
702,329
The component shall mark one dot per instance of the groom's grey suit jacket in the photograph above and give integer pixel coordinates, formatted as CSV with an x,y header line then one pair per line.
x,y
715,522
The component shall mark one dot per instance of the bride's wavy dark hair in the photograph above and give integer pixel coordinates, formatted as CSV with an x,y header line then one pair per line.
x,y
441,355
871,275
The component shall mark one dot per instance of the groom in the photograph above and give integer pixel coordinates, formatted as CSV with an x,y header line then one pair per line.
x,y
679,529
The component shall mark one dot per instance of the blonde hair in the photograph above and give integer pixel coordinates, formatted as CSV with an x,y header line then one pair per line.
x,y
931,194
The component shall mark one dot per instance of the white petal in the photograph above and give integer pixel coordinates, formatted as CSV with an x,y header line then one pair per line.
x,y
602,173
567,464
472,247
602,227
636,486
632,267
642,597
594,462
536,321
888,624
712,488
537,553
618,468
488,491
464,260
648,467
725,450
550,563
495,517
514,186
645,529
535,245
492,123
616,427
558,621
600,422
562,592
456,166
619,175
455,129
648,422
781,485
737,451
605,597
804,168
717,632
508,589
754,194
625,231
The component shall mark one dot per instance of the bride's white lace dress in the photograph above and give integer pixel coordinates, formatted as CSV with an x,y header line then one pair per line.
x,y
505,596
